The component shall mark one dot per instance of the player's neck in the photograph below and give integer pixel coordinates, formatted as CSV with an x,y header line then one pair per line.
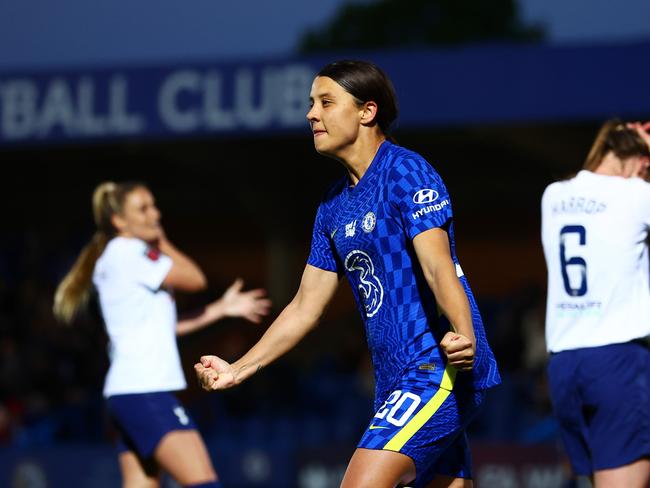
x,y
610,166
360,155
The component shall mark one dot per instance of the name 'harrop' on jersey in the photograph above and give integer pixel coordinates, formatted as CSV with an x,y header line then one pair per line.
x,y
594,232
579,205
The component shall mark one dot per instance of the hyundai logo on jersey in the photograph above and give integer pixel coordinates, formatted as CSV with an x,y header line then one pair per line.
x,y
425,196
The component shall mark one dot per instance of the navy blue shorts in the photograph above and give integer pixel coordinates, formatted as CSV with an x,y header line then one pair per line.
x,y
601,397
427,423
143,419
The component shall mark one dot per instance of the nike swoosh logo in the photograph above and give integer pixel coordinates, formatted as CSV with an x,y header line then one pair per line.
x,y
333,233
373,427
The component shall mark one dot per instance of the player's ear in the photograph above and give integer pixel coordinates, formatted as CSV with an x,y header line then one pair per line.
x,y
369,112
118,222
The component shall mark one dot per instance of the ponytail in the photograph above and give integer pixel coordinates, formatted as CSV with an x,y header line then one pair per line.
x,y
73,292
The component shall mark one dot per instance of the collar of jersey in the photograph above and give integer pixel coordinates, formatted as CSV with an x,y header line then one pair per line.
x,y
374,164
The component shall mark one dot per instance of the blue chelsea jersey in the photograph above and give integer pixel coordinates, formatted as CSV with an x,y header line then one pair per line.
x,y
366,231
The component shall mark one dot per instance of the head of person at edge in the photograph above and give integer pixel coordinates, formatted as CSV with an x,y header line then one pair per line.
x,y
594,234
387,226
621,149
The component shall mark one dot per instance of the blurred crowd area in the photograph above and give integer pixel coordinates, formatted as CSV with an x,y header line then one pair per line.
x,y
51,375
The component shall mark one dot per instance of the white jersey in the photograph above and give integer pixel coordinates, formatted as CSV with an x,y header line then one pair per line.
x,y
140,319
594,232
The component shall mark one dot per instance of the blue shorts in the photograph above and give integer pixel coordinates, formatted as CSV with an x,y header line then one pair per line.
x,y
427,423
601,397
143,419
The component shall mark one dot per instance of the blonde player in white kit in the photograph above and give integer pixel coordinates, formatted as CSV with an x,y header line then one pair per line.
x,y
134,267
595,237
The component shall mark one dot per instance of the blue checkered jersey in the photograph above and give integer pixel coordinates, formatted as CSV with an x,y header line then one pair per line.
x,y
366,231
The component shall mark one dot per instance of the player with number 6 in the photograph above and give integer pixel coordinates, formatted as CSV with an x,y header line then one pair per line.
x,y
595,237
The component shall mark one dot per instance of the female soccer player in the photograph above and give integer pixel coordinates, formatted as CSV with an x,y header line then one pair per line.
x,y
387,225
134,268
594,232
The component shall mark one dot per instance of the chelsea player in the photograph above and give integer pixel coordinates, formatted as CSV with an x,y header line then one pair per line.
x,y
387,225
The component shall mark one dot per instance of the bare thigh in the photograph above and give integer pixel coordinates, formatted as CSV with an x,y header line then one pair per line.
x,y
136,474
373,468
634,475
184,456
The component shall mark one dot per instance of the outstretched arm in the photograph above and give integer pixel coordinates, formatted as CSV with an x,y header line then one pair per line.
x,y
303,313
433,251
251,305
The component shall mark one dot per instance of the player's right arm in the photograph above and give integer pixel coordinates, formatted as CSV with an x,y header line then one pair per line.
x,y
300,316
185,274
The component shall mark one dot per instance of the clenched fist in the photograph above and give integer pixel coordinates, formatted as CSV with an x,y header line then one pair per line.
x,y
459,350
214,373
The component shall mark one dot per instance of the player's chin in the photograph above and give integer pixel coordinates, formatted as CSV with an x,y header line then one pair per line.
x,y
149,235
323,148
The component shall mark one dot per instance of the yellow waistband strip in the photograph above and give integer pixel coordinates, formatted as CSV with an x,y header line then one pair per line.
x,y
421,418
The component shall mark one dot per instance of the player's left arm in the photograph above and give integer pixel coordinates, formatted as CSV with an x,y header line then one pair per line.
x,y
251,305
433,252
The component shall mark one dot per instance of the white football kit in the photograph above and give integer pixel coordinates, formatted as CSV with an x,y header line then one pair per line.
x,y
140,319
594,233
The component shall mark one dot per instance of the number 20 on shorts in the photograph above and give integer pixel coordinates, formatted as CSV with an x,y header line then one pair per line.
x,y
395,404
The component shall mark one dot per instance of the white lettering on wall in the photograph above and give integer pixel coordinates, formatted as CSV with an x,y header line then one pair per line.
x,y
191,100
175,117
88,117
57,109
18,98
182,101
294,100
217,117
252,114
119,118
68,107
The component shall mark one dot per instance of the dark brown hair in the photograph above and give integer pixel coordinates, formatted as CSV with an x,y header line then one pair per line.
x,y
366,82
615,137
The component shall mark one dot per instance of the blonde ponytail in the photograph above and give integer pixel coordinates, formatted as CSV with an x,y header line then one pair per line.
x,y
73,292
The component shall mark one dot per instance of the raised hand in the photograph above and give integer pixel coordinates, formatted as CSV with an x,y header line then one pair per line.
x,y
643,129
251,305
214,373
459,350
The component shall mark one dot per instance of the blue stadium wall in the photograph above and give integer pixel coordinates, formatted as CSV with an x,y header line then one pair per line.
x,y
452,87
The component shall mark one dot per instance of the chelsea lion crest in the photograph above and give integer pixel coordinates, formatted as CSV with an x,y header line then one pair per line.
x,y
368,222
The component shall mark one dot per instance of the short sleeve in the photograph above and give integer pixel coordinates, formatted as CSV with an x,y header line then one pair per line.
x,y
152,268
419,195
141,264
322,254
